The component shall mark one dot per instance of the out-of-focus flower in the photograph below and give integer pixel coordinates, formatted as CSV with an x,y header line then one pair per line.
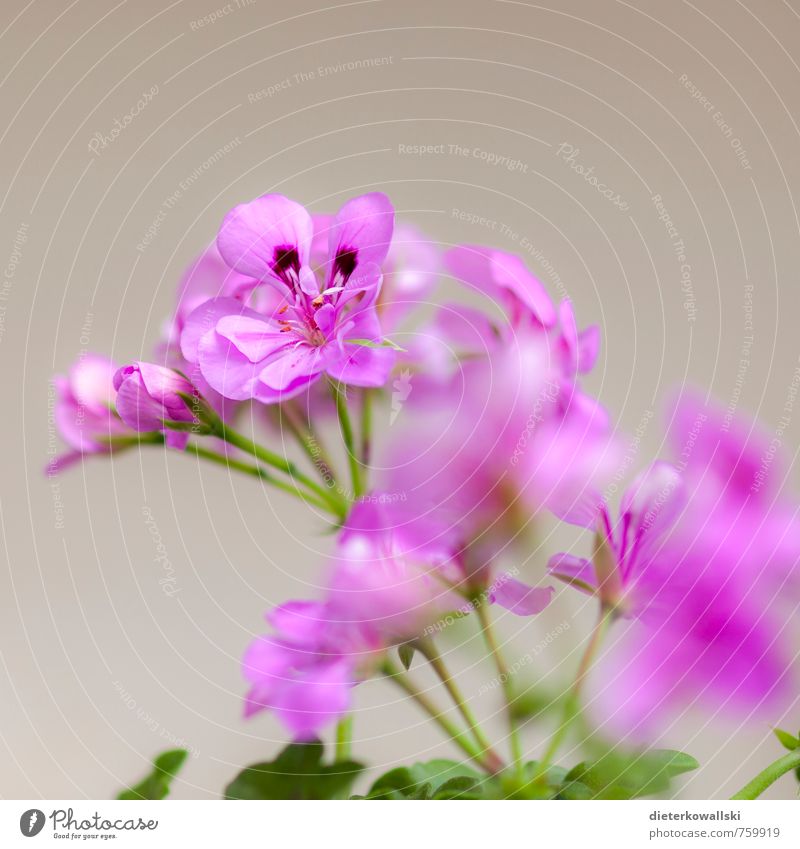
x,y
506,280
84,410
625,548
699,559
305,672
389,583
149,398
508,437
327,323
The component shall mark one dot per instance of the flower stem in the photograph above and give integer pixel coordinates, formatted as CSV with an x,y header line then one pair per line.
x,y
344,737
246,444
257,472
366,427
313,448
429,650
508,688
753,789
349,440
459,737
572,700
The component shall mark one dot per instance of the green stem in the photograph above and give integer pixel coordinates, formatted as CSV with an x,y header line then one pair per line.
x,y
344,737
572,700
349,440
366,427
257,472
459,737
428,649
313,448
508,688
753,789
277,461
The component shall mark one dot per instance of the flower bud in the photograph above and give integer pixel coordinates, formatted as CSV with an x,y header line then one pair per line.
x,y
151,398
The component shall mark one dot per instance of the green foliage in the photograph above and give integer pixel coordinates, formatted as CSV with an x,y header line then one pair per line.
x,y
626,775
297,773
437,779
156,785
787,740
406,654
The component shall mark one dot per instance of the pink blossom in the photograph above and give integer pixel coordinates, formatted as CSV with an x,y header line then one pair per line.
x,y
699,558
389,583
327,323
84,410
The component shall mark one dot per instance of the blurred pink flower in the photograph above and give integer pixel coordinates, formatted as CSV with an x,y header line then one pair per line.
x,y
84,410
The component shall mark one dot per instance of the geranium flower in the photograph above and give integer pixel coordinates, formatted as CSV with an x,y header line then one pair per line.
x,y
625,548
506,437
327,323
84,410
388,583
698,559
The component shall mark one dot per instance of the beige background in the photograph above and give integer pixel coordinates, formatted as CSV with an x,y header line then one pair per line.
x,y
100,668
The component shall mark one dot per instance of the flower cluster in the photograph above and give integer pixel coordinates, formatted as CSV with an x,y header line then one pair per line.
x,y
491,430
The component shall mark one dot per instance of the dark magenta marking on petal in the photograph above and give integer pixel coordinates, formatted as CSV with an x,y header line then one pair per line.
x,y
285,258
346,261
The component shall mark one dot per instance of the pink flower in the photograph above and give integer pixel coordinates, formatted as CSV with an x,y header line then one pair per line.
x,y
701,561
84,410
505,437
327,323
149,399
304,673
505,279
625,548
389,583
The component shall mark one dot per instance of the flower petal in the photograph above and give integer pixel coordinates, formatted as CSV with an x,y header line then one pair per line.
x,y
361,233
263,237
519,598
500,275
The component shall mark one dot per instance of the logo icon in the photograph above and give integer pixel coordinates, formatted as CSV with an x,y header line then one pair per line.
x,y
31,822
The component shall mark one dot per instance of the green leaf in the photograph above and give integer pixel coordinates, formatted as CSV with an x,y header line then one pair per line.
x,y
630,775
156,784
297,773
430,778
369,343
406,654
461,787
786,739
